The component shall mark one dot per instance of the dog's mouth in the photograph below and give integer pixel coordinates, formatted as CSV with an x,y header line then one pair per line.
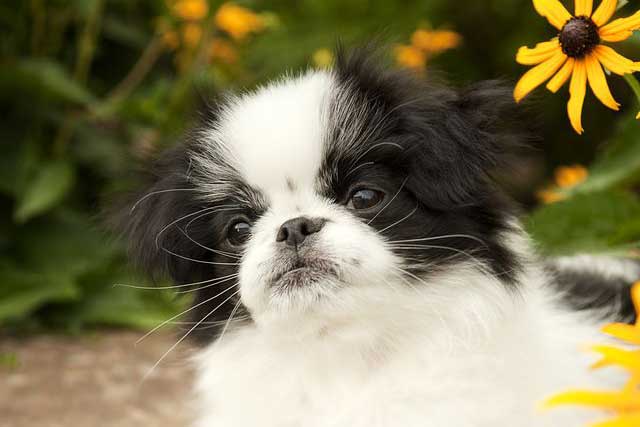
x,y
303,273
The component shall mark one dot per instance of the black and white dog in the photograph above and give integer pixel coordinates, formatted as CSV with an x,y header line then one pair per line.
x,y
354,265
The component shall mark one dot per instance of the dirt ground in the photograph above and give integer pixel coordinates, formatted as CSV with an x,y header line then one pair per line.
x,y
93,381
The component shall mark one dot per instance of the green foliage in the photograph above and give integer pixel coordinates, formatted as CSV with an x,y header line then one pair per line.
x,y
606,221
88,90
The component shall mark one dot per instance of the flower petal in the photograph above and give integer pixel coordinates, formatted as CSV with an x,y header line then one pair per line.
x,y
624,332
538,75
627,420
620,29
638,116
598,83
584,7
629,359
554,11
615,62
540,53
613,400
604,12
635,297
561,76
577,89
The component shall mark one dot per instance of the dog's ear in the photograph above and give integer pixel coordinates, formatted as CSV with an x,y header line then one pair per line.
x,y
451,140
152,221
487,128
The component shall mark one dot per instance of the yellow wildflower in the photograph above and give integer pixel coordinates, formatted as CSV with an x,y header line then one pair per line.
x,y
238,21
191,34
570,176
626,402
190,10
410,56
550,195
436,41
170,39
622,331
578,53
565,177
223,51
322,58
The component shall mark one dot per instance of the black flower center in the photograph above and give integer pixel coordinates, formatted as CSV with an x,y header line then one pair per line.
x,y
579,37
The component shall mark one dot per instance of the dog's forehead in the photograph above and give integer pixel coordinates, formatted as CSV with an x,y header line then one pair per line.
x,y
276,134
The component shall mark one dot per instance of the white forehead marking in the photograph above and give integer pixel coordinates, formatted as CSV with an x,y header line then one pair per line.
x,y
276,133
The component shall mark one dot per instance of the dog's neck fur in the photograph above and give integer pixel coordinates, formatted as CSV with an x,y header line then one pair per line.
x,y
408,358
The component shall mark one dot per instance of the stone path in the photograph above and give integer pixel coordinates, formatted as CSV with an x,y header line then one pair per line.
x,y
95,381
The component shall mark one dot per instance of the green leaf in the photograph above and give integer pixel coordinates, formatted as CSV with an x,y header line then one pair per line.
x,y
40,77
63,242
589,223
105,303
619,164
48,188
24,291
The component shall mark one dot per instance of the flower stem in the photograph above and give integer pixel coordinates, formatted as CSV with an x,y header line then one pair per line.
x,y
633,83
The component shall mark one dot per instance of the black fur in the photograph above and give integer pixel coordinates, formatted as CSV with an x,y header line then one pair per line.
x,y
589,290
444,143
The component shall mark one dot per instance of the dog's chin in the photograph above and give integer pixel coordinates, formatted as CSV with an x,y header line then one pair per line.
x,y
303,286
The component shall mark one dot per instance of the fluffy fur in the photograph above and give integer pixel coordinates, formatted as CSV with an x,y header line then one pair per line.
x,y
425,308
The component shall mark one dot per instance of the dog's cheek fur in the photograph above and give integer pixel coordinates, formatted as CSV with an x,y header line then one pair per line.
x,y
161,226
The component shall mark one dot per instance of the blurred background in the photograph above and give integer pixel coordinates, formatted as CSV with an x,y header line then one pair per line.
x,y
91,90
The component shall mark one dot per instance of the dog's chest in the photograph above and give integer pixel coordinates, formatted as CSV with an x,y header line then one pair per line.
x,y
456,386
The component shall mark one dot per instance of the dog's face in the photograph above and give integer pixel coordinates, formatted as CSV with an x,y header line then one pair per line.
x,y
319,192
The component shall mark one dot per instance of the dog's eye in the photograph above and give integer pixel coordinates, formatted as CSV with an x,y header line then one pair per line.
x,y
239,232
365,199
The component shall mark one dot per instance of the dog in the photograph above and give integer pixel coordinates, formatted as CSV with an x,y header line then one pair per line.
x,y
353,263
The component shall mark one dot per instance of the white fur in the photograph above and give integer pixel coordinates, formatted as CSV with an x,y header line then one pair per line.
x,y
379,348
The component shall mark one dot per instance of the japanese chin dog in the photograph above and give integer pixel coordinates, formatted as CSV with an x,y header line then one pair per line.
x,y
354,264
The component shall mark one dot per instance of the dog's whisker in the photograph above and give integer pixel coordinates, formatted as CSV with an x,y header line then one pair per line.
x,y
198,261
358,167
193,307
231,317
400,220
373,147
166,227
225,208
215,251
390,201
153,193
206,286
184,285
446,236
187,334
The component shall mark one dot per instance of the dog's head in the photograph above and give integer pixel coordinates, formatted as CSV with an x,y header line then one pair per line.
x,y
315,193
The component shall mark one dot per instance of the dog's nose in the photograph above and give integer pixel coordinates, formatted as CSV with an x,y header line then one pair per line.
x,y
296,230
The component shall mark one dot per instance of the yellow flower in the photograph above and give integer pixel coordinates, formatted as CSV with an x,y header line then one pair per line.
x,y
565,177
623,331
550,195
626,402
570,176
578,53
223,51
436,41
411,57
170,39
238,21
322,58
190,10
191,34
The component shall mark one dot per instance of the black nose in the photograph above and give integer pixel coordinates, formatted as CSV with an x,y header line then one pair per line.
x,y
294,231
